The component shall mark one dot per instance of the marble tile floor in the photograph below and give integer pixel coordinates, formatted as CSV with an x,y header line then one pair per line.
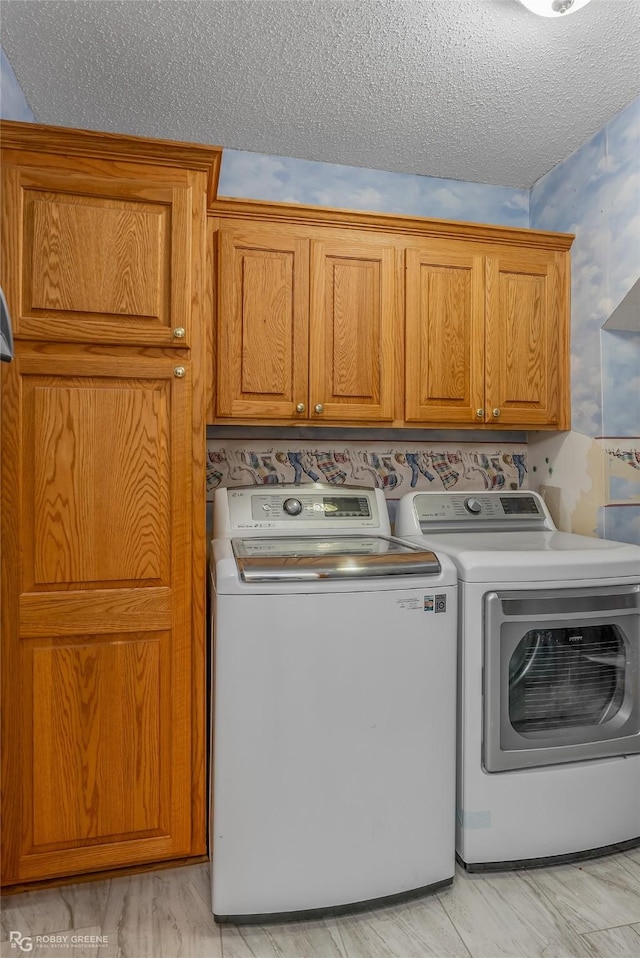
x,y
584,910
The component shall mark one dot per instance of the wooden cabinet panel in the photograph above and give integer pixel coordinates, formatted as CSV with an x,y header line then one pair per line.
x,y
310,328
444,335
82,496
103,560
95,257
97,652
305,325
526,339
97,741
99,258
352,325
262,324
486,336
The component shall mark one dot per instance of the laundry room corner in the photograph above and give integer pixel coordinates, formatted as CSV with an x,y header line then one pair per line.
x,y
568,470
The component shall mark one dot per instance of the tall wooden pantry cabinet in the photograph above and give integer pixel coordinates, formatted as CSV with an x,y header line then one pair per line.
x,y
103,531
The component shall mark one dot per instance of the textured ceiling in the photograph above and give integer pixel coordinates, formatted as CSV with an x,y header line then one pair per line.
x,y
477,90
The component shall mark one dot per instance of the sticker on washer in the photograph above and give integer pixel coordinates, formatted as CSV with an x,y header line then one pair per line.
x,y
429,603
473,819
409,605
435,603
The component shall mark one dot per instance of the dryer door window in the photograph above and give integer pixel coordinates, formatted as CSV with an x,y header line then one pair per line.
x,y
561,676
567,678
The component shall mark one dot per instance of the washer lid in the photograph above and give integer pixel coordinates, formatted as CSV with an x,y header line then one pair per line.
x,y
309,558
534,556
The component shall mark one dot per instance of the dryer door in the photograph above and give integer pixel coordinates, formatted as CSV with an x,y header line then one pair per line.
x,y
561,676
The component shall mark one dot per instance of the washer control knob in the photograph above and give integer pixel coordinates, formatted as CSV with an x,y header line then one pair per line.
x,y
293,507
473,506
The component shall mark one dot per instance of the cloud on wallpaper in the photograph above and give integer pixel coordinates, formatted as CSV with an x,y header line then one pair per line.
x,y
288,180
595,193
621,383
557,198
621,523
623,489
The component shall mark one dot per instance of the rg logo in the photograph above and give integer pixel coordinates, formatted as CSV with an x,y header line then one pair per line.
x,y
20,941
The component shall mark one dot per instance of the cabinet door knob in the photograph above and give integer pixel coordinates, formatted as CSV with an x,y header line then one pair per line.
x,y
496,413
179,332
318,408
179,372
300,407
480,413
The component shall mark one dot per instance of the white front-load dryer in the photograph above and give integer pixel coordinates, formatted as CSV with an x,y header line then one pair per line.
x,y
548,755
334,674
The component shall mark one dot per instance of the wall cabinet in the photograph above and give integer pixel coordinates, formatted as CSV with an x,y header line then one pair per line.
x,y
486,336
306,324
103,551
444,366
526,338
325,316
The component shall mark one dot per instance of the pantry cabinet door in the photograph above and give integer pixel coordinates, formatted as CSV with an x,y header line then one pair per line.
x,y
353,330
100,252
96,622
262,324
527,338
444,334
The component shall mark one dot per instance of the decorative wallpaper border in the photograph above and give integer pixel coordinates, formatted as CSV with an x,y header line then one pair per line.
x,y
629,456
623,478
619,516
396,469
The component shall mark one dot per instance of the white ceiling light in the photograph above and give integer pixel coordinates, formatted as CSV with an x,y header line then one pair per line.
x,y
553,8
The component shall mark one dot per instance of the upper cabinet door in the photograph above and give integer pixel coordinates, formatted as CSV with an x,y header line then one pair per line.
x,y
102,252
444,334
262,344
526,340
353,326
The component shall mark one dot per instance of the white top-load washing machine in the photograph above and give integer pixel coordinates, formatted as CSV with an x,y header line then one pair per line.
x,y
549,679
334,674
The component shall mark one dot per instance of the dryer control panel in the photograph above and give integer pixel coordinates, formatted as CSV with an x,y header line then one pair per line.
x,y
462,511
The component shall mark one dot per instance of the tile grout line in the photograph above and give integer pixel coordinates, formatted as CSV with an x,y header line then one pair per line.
x,y
596,931
543,893
455,927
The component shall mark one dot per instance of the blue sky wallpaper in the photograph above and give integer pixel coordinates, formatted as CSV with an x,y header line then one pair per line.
x,y
620,383
621,523
595,193
286,180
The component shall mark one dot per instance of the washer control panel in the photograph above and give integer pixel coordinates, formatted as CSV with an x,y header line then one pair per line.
x,y
314,507
311,507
